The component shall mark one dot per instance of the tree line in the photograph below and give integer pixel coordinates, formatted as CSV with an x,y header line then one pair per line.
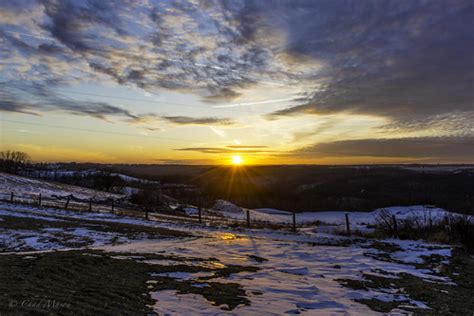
x,y
13,161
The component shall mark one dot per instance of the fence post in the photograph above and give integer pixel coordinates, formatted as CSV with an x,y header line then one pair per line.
x,y
11,197
348,225
112,206
200,215
448,225
146,214
67,203
248,218
90,205
395,225
39,199
294,221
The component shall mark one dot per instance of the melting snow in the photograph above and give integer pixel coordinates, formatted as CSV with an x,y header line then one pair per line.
x,y
299,276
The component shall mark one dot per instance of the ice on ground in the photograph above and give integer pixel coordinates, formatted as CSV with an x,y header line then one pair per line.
x,y
299,274
28,215
297,278
168,302
191,211
184,275
296,271
414,251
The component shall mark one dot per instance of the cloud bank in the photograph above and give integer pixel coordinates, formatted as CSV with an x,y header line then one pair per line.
x,y
408,61
432,148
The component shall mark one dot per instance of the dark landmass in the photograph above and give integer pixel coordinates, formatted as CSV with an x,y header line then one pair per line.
x,y
314,187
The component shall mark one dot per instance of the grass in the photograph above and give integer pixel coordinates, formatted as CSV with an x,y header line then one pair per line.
x,y
382,306
82,284
160,216
86,282
257,258
227,295
67,239
442,298
25,223
384,246
385,249
455,230
23,227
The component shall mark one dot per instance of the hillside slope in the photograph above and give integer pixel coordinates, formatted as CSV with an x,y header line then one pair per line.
x,y
26,186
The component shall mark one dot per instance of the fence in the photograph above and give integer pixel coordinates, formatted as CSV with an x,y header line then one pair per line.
x,y
68,202
123,207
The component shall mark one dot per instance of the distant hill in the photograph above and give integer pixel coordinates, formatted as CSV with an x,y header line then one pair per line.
x,y
316,188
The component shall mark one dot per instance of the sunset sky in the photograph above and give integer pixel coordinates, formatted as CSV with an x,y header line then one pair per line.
x,y
330,82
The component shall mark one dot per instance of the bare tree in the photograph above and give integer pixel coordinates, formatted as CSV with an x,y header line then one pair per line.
x,y
152,199
105,180
11,161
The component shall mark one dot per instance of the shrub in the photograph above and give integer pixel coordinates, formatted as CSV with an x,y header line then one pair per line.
x,y
454,229
385,222
462,230
150,199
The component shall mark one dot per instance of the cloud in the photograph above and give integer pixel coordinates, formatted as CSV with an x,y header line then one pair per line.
x,y
403,60
31,99
104,111
408,61
244,147
228,150
16,107
441,148
71,22
153,129
254,103
222,95
186,120
186,46
184,161
204,48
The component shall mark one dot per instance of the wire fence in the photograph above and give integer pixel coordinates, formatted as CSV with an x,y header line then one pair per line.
x,y
122,207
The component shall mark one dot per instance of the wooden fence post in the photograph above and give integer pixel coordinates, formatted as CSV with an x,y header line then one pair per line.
x,y
90,205
67,203
39,199
112,206
248,218
11,197
448,225
146,214
348,225
200,215
294,221
395,225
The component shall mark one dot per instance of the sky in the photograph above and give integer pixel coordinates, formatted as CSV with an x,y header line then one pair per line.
x,y
274,82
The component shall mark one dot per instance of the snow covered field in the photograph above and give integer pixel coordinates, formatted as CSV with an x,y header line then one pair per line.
x,y
27,186
295,272
332,221
297,278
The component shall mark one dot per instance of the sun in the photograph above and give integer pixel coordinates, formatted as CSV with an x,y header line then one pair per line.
x,y
237,160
